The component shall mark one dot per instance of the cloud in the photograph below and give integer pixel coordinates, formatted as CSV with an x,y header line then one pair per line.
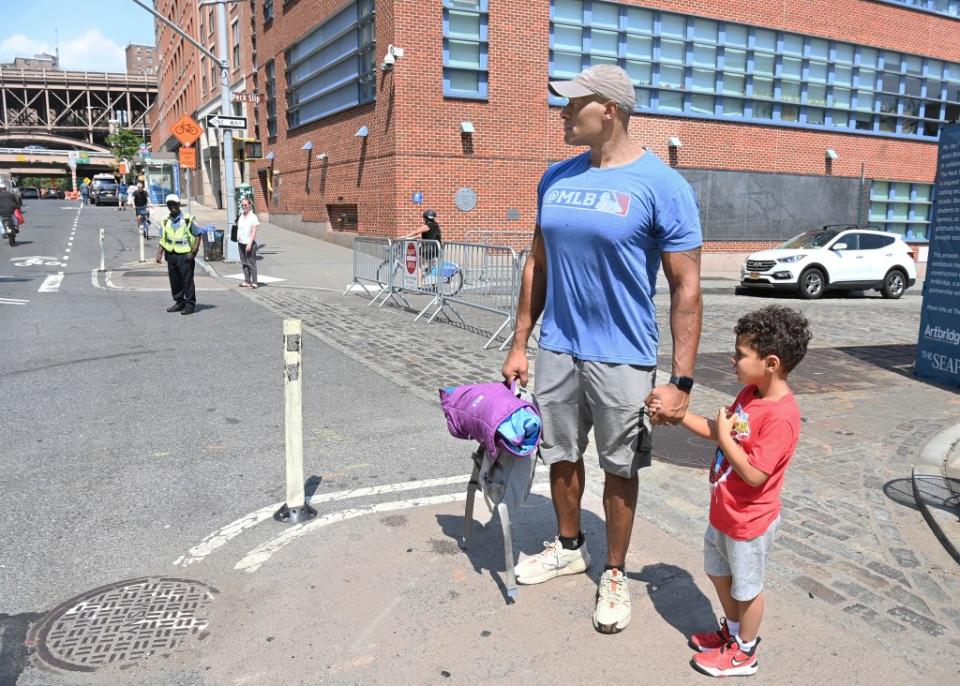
x,y
90,51
19,45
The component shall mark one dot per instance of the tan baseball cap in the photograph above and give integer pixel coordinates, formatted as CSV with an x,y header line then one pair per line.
x,y
606,80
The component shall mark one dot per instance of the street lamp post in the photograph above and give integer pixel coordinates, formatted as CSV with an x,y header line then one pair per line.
x,y
230,252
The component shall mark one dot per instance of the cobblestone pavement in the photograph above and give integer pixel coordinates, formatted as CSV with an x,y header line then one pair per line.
x,y
851,537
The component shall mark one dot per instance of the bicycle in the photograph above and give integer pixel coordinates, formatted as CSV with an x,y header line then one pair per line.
x,y
447,276
10,230
143,221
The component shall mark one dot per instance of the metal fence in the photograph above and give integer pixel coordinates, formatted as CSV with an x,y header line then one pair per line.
x,y
455,275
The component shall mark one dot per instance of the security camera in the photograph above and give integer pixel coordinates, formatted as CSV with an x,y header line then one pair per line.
x,y
388,61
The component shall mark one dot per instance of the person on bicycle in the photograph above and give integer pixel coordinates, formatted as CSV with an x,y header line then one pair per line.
x,y
430,231
9,203
141,205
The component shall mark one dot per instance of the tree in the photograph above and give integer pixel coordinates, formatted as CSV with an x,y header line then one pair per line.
x,y
124,144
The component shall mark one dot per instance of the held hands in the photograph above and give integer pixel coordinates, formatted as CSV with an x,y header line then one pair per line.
x,y
724,422
516,367
667,404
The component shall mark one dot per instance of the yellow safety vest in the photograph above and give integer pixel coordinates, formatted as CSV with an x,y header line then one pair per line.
x,y
178,239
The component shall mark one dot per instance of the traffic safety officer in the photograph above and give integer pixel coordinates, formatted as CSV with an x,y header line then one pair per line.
x,y
180,245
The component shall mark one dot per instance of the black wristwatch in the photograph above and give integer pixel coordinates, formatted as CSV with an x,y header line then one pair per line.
x,y
684,383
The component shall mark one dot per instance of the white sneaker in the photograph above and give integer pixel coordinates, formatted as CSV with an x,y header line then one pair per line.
x,y
612,613
554,561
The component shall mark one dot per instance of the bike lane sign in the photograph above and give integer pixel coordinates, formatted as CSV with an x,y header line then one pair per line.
x,y
186,130
411,267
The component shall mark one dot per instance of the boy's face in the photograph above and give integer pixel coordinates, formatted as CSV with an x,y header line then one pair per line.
x,y
751,368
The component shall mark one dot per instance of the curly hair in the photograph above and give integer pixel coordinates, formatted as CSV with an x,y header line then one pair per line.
x,y
776,330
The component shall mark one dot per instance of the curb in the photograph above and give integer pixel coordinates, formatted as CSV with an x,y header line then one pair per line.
x,y
935,479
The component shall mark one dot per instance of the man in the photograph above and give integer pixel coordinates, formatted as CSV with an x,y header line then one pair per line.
x,y
122,195
605,220
141,208
180,245
430,231
84,193
9,203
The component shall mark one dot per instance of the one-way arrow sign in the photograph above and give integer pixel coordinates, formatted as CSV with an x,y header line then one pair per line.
x,y
219,121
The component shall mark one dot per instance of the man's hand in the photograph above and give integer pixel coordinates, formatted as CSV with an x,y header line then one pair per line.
x,y
159,259
667,404
191,256
250,248
516,367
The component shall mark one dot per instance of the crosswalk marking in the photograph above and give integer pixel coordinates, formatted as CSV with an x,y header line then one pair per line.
x,y
51,284
13,301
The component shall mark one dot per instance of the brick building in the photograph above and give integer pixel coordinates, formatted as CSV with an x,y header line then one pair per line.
x,y
783,115
141,59
189,83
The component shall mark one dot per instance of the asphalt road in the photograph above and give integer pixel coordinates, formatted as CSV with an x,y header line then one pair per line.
x,y
129,434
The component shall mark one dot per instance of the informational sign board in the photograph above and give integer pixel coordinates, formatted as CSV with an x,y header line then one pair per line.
x,y
417,198
188,158
186,130
411,266
938,347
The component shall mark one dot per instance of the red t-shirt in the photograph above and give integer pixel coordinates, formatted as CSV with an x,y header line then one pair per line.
x,y
768,432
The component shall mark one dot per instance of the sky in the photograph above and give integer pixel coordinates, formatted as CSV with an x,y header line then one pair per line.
x,y
92,35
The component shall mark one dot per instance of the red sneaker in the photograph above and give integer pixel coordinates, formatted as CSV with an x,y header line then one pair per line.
x,y
728,660
705,641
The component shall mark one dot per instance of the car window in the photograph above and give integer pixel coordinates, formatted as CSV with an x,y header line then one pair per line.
x,y
810,239
851,239
872,241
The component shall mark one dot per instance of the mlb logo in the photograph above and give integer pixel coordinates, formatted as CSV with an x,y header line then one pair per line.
x,y
606,201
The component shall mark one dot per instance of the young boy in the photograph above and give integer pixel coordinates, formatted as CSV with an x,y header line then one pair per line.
x,y
756,437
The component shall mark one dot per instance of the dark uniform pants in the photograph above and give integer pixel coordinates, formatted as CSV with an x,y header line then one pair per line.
x,y
180,268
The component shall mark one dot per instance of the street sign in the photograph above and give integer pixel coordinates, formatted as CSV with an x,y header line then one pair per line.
x,y
186,130
247,97
219,121
188,158
411,263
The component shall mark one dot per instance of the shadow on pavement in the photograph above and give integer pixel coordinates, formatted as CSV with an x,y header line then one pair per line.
x,y
900,491
676,597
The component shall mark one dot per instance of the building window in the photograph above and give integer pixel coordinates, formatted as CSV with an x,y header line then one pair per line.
x,y
267,10
203,76
210,26
950,8
333,67
902,208
696,67
465,49
235,28
343,217
270,70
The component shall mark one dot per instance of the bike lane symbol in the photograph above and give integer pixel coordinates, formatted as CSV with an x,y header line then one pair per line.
x,y
36,261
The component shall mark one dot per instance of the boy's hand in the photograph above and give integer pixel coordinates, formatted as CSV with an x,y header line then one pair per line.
x,y
654,404
724,422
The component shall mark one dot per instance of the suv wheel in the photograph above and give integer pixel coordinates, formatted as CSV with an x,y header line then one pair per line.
x,y
894,284
813,283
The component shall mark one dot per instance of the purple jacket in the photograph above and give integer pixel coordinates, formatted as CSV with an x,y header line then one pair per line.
x,y
476,411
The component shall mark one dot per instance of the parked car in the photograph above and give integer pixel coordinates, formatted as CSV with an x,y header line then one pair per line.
x,y
104,192
29,192
835,257
54,194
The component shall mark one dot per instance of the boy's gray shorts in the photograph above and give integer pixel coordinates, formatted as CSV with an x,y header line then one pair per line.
x,y
742,560
576,395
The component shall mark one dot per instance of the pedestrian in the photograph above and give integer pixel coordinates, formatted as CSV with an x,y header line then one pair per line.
x,y
84,193
605,220
247,225
131,189
141,208
9,204
179,244
756,436
122,194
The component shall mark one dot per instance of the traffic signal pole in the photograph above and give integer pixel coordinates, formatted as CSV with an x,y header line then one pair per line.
x,y
230,252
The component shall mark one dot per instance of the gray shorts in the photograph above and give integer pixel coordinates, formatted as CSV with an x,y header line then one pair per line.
x,y
576,395
742,560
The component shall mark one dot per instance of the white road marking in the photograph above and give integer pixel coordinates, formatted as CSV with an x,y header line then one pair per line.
x,y
260,277
253,560
13,301
68,250
51,284
235,528
36,261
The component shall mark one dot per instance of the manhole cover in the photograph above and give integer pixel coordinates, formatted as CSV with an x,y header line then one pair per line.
x,y
122,623
675,445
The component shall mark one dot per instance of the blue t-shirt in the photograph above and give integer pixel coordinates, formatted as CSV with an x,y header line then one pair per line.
x,y
603,231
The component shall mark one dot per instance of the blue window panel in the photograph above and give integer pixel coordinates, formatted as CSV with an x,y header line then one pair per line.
x,y
327,31
465,46
947,8
339,50
704,68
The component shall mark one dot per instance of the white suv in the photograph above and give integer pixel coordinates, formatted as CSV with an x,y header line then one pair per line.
x,y
841,257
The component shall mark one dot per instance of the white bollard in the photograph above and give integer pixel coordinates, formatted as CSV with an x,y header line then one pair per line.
x,y
140,233
295,509
103,264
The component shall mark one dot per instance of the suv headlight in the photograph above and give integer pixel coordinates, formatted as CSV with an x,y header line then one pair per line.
x,y
791,259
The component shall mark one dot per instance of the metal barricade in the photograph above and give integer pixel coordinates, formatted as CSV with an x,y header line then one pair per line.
x,y
483,277
372,265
